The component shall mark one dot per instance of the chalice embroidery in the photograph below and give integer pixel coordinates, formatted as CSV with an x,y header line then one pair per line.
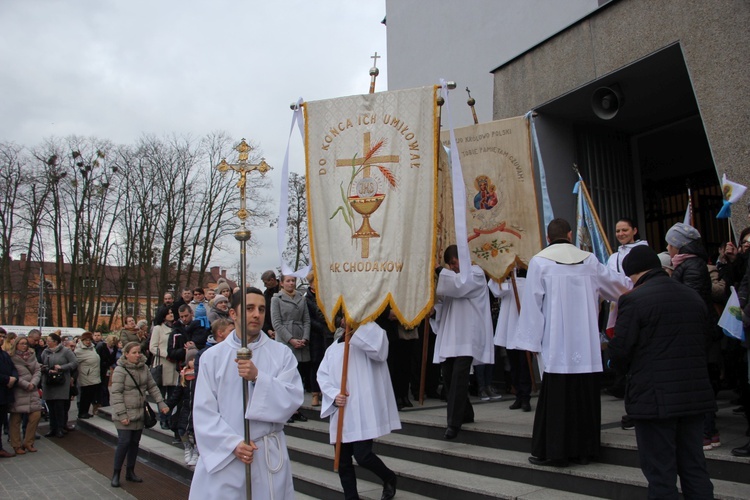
x,y
362,193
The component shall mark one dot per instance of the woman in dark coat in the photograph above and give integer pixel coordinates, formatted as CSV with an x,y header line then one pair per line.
x,y
8,379
131,381
57,359
320,338
690,261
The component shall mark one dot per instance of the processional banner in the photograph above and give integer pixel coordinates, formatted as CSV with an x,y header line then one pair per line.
x,y
502,220
371,186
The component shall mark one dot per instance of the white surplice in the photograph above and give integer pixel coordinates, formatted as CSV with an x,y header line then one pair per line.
x,y
560,308
370,410
463,320
507,319
219,423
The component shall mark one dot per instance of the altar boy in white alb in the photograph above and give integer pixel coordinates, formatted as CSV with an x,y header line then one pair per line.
x,y
370,406
275,392
559,312
463,325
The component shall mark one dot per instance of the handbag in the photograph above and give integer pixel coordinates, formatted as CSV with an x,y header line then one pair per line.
x,y
149,416
157,372
55,378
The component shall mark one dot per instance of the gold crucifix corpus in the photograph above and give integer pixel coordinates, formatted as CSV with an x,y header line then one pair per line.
x,y
366,205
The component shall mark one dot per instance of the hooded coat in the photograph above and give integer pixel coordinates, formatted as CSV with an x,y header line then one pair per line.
x,y
126,398
29,373
89,372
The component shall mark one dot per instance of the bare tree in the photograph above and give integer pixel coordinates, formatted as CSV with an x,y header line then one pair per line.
x,y
11,185
298,243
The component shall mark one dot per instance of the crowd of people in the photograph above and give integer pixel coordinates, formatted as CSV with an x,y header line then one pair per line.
x,y
659,339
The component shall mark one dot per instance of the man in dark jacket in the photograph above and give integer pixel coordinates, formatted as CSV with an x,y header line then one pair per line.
x,y
272,287
660,341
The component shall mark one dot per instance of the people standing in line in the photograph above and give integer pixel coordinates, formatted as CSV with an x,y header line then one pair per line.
x,y
186,295
35,343
463,325
26,397
89,374
660,341
199,297
8,379
505,333
131,381
690,261
272,286
559,319
223,288
291,321
107,352
220,310
57,359
368,404
274,392
182,399
159,348
131,333
320,338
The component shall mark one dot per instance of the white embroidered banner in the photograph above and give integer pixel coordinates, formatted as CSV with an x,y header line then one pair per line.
x,y
371,177
501,208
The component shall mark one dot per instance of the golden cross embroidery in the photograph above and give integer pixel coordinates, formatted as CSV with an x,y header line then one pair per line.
x,y
366,205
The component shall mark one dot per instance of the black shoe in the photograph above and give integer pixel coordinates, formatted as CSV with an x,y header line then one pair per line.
x,y
742,451
526,406
546,462
580,460
59,434
291,420
164,425
389,489
37,436
300,417
130,476
85,416
627,423
115,479
516,405
451,432
51,434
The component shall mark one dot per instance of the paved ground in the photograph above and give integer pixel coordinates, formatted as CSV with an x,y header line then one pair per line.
x,y
52,473
78,466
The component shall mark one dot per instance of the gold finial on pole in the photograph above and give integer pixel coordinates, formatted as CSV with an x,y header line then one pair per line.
x,y
471,102
243,167
374,71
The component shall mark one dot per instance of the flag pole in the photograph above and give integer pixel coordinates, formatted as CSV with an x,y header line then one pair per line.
x,y
423,371
344,375
471,102
593,209
518,308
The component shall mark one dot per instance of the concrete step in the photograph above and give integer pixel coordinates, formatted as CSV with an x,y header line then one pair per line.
x,y
489,459
433,481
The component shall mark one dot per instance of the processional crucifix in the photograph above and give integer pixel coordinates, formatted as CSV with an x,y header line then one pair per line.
x,y
243,167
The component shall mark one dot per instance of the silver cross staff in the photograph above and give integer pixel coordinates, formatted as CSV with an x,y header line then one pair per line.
x,y
243,235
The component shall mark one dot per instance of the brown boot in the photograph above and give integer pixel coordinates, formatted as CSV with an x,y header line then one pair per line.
x,y
20,451
316,399
96,408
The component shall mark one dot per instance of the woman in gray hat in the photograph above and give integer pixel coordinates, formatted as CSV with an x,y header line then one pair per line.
x,y
690,262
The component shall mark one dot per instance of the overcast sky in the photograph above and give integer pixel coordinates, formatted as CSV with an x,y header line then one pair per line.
x,y
122,68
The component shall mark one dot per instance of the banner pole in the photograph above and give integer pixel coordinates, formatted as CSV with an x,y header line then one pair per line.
x,y
518,308
344,373
593,210
423,372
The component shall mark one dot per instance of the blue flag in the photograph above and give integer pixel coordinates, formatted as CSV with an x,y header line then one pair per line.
x,y
588,236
